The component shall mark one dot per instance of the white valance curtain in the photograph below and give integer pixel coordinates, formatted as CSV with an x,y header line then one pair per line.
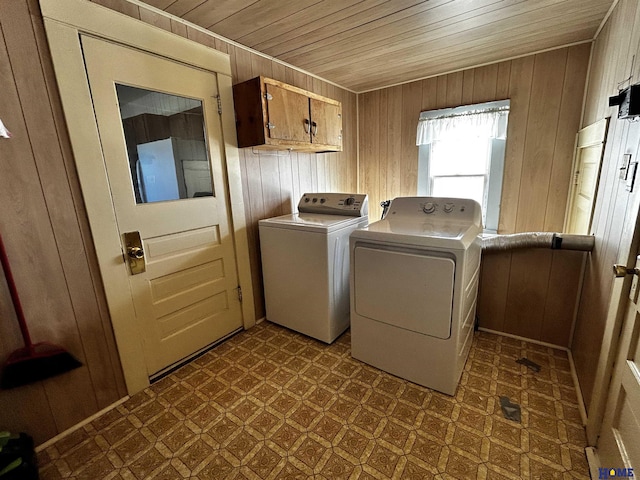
x,y
475,123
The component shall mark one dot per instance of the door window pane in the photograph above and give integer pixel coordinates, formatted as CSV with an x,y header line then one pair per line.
x,y
165,136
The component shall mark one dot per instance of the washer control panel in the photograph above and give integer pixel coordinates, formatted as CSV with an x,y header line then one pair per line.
x,y
348,204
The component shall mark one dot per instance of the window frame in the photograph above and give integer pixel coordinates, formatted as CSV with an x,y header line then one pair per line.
x,y
494,176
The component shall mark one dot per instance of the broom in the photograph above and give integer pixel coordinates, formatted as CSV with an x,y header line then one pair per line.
x,y
32,362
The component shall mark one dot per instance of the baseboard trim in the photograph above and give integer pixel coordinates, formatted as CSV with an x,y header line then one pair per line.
x,y
524,339
593,461
81,424
572,366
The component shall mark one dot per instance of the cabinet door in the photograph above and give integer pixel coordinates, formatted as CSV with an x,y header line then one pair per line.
x,y
326,124
287,114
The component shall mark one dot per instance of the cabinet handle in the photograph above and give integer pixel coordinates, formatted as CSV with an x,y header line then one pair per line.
x,y
315,128
306,125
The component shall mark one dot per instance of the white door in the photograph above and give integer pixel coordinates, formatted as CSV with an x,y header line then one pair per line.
x,y
618,446
589,151
162,145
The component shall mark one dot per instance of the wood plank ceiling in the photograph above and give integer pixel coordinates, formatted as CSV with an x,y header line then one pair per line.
x,y
368,44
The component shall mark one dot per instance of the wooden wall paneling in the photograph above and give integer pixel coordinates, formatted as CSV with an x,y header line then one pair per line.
x,y
429,94
369,154
270,179
539,144
411,95
485,83
454,89
609,67
153,18
441,95
281,30
520,82
243,66
382,146
86,289
468,77
394,144
261,66
179,28
568,124
57,237
493,290
562,291
503,80
321,169
119,6
526,297
180,7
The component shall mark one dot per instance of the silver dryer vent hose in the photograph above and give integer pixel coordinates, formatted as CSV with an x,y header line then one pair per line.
x,y
555,241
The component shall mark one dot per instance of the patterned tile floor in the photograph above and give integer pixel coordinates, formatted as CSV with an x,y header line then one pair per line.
x,y
272,404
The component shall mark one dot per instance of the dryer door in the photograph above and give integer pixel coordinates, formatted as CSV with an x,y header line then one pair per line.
x,y
406,290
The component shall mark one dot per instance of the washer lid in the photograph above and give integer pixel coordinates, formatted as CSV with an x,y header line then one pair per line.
x,y
313,222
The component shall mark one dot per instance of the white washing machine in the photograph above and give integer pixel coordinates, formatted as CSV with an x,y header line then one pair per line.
x,y
305,263
414,282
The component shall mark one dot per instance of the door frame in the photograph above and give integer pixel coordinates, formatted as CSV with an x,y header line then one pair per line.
x,y
65,21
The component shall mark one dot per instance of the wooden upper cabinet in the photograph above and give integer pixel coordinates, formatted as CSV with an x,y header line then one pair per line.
x,y
272,114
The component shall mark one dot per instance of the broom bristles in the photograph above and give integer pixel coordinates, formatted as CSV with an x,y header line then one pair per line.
x,y
41,361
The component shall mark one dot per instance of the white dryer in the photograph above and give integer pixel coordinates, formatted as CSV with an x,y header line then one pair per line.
x,y
305,263
414,282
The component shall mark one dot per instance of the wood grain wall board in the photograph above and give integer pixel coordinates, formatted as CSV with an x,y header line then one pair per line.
x,y
371,43
520,83
561,295
86,288
446,60
526,297
210,11
27,410
383,147
340,27
179,28
485,83
493,290
369,153
127,8
610,66
454,88
180,7
284,29
542,128
28,232
411,94
429,23
394,145
468,79
503,80
481,42
568,125
518,75
154,18
256,16
429,94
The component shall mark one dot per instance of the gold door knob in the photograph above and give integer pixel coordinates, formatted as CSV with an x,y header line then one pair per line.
x,y
622,270
135,252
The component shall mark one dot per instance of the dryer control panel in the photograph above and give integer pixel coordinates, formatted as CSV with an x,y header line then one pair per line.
x,y
443,209
347,204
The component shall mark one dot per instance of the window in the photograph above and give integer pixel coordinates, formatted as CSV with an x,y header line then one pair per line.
x,y
461,155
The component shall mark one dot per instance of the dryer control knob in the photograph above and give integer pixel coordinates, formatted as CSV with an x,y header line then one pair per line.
x,y
429,207
448,207
349,201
